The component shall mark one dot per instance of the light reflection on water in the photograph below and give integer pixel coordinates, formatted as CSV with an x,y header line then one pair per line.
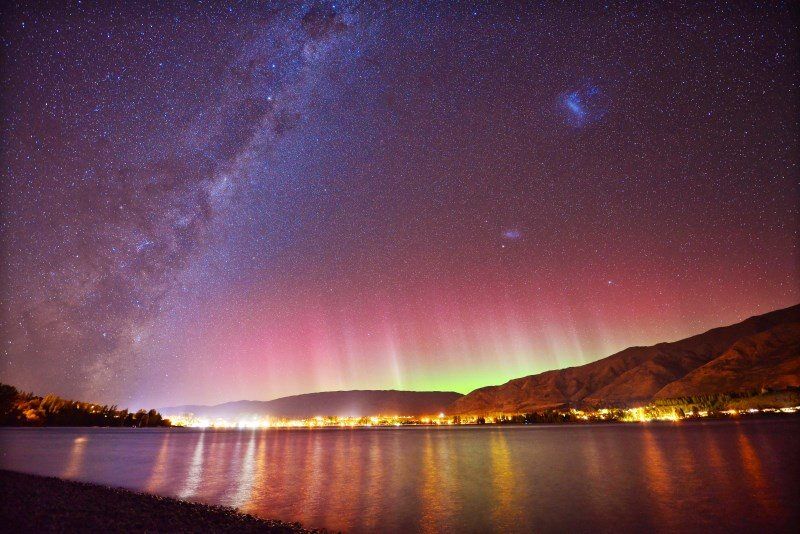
x,y
195,469
245,479
754,472
76,455
505,512
712,476
160,467
659,484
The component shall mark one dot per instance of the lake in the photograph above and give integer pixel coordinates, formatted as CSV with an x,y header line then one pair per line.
x,y
688,476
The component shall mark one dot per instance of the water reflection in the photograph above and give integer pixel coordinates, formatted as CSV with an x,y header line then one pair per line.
x,y
754,471
220,464
658,478
76,456
686,477
195,469
713,450
158,474
311,475
280,467
684,455
433,497
343,466
245,480
595,456
505,513
372,483
259,476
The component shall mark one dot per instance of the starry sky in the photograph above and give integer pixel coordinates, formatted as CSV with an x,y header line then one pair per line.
x,y
211,201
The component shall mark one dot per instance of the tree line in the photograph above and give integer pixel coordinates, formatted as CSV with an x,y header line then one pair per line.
x,y
549,417
718,402
19,408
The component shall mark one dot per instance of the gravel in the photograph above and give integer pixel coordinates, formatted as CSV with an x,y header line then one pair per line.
x,y
30,503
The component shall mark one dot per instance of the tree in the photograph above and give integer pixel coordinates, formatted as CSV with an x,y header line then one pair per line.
x,y
8,396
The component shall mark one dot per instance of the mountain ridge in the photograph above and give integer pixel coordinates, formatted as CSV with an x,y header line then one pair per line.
x,y
631,376
761,351
751,363
350,403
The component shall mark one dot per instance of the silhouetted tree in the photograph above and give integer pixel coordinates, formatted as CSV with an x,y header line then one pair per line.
x,y
25,409
8,396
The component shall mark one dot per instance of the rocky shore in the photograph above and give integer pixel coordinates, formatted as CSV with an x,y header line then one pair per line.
x,y
31,503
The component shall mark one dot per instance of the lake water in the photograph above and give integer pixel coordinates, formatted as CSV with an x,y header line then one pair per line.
x,y
699,476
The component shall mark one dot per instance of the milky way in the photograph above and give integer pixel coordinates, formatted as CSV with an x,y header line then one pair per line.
x,y
203,203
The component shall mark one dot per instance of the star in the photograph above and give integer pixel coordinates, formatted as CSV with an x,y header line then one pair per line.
x,y
312,196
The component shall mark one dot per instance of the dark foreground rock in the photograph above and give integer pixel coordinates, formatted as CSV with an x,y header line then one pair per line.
x,y
31,503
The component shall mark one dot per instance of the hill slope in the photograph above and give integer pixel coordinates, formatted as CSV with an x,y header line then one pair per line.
x,y
767,359
632,376
356,403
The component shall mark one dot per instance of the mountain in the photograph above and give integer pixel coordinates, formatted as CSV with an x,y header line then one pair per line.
x,y
767,359
761,351
358,403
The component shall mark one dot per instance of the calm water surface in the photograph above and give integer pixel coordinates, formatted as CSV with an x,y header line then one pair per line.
x,y
719,476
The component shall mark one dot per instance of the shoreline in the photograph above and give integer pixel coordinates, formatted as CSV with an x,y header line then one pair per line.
x,y
510,422
33,503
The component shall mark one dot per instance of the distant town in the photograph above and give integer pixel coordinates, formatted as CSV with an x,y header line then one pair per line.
x,y
642,414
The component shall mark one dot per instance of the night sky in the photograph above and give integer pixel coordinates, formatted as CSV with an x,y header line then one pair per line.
x,y
215,201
